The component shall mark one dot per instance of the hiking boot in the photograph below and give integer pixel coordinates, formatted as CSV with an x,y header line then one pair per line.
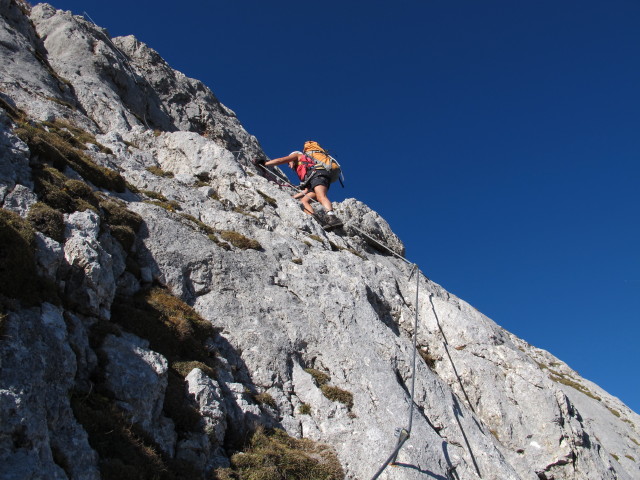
x,y
332,222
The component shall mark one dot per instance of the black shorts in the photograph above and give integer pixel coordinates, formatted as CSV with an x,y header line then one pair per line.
x,y
319,177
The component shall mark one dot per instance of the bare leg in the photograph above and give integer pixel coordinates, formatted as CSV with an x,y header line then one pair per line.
x,y
305,198
321,193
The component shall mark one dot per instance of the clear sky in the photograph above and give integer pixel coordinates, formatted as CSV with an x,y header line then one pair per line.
x,y
499,138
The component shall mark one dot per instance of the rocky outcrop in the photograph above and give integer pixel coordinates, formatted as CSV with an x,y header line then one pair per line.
x,y
172,301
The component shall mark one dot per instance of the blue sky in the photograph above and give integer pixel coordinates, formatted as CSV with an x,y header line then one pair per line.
x,y
499,139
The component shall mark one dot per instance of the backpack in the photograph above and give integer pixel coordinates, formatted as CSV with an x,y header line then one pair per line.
x,y
322,160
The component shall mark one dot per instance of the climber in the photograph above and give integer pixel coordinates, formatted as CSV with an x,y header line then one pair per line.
x,y
315,183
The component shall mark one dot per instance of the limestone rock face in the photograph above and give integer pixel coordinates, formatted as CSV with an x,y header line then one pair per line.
x,y
198,303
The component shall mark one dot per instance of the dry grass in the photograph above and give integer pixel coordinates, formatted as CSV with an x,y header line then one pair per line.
x,y
62,148
240,241
320,378
336,394
277,456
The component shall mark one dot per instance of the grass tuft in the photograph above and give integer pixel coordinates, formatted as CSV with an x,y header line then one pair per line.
x,y
320,378
47,221
274,455
336,394
240,241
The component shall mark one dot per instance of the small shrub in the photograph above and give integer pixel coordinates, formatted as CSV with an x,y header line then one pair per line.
x,y
304,409
336,394
14,113
240,241
570,383
78,189
320,378
47,221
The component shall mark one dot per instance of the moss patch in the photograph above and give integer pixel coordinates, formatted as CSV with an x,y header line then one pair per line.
x,y
275,455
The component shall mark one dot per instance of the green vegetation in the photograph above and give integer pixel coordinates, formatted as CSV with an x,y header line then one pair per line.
x,y
171,326
123,222
316,238
304,409
185,368
277,456
297,261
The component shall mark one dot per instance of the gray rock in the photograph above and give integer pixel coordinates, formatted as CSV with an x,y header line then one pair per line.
x,y
137,377
487,404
